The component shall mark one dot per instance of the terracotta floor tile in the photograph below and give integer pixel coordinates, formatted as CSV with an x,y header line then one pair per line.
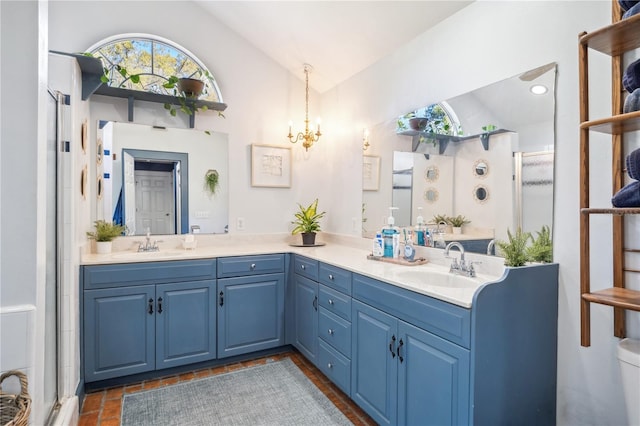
x,y
92,402
218,370
259,361
110,422
133,388
171,380
234,367
114,393
202,373
111,409
185,377
89,419
152,384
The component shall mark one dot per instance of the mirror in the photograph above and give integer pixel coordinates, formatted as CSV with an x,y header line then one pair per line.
x,y
498,172
154,179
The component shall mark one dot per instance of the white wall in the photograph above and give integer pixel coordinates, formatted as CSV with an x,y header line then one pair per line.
x,y
486,42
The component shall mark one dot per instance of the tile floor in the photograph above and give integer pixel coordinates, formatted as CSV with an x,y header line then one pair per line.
x,y
103,407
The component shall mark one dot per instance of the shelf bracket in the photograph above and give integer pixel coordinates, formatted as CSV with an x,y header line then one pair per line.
x,y
484,138
130,108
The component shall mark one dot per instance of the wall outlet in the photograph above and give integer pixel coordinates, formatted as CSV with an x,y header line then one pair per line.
x,y
240,224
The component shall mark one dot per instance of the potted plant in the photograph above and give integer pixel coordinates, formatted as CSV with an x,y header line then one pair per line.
x,y
441,219
515,251
211,181
308,223
457,222
104,234
541,249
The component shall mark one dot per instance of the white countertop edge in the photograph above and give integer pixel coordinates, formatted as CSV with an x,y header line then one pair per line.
x,y
347,252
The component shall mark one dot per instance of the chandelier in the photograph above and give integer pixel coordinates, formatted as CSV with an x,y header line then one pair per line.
x,y
308,137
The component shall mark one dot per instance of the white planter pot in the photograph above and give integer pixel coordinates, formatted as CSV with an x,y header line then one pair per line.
x,y
457,230
103,247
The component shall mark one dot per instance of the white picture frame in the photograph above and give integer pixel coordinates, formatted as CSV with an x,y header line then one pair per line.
x,y
270,166
370,173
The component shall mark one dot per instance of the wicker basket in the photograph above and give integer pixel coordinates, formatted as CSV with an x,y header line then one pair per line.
x,y
15,409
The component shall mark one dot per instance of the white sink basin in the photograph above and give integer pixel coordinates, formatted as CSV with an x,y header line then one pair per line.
x,y
437,279
148,254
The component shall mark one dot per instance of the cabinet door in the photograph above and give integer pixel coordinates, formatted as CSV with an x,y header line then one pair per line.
x,y
119,332
185,323
250,314
374,368
306,317
433,379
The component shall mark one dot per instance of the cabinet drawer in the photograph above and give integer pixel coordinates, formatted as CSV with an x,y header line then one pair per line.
x,y
335,331
446,320
104,276
305,267
335,302
335,278
335,366
250,265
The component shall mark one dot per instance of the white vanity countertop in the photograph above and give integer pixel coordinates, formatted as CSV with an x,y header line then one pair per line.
x,y
350,253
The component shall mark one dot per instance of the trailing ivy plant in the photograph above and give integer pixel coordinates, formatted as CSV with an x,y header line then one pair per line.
x,y
541,250
515,251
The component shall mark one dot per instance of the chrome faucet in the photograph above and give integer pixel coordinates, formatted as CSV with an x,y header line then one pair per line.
x,y
491,247
462,267
148,246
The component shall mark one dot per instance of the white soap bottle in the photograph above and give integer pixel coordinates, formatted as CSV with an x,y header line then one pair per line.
x,y
420,229
378,246
391,236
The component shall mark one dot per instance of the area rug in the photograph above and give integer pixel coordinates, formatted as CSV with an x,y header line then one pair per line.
x,y
275,393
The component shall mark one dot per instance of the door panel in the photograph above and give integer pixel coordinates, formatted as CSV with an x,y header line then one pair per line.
x,y
306,316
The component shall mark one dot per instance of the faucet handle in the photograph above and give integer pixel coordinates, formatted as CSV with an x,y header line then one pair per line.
x,y
470,269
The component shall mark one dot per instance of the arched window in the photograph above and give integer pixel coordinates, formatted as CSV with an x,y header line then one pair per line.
x,y
154,60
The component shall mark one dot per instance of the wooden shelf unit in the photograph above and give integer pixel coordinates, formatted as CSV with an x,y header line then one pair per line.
x,y
613,40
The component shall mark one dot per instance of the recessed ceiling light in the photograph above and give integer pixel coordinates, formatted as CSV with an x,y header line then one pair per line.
x,y
538,89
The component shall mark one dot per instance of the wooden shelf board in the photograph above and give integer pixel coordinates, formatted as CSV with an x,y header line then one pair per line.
x,y
615,125
153,97
612,210
616,38
617,297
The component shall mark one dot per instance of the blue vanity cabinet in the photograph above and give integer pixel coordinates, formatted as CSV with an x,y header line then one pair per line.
x,y
305,316
334,325
250,298
402,373
142,317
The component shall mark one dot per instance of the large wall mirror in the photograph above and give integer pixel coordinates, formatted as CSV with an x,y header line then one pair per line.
x,y
154,179
498,179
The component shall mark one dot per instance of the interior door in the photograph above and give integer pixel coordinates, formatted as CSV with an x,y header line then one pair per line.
x,y
155,202
129,196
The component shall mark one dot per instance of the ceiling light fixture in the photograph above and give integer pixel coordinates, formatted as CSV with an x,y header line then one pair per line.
x,y
538,89
308,137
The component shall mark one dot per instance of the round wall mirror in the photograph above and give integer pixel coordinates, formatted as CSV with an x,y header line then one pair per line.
x,y
100,187
481,168
481,193
431,174
431,195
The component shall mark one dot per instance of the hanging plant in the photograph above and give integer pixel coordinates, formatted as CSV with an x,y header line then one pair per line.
x,y
211,181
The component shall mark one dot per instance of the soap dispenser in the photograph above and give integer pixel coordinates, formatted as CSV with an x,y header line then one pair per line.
x,y
420,229
391,236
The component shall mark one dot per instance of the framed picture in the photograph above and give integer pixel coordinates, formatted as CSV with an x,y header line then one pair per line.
x,y
370,173
270,166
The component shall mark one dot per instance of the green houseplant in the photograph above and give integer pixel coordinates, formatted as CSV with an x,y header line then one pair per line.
x,y
457,222
541,249
515,251
211,181
307,222
104,234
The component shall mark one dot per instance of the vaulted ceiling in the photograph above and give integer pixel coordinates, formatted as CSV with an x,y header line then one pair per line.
x,y
337,38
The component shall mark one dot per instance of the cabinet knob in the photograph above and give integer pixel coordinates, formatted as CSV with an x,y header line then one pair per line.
x,y
331,277
329,365
330,331
331,301
302,267
253,266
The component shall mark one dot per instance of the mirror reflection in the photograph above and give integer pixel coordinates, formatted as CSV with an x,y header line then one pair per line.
x,y
497,171
155,179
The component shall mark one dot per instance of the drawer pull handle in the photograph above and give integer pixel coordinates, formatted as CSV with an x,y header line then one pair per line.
x,y
221,298
331,277
159,305
330,331
329,365
150,307
400,344
302,266
315,303
331,301
253,266
393,341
